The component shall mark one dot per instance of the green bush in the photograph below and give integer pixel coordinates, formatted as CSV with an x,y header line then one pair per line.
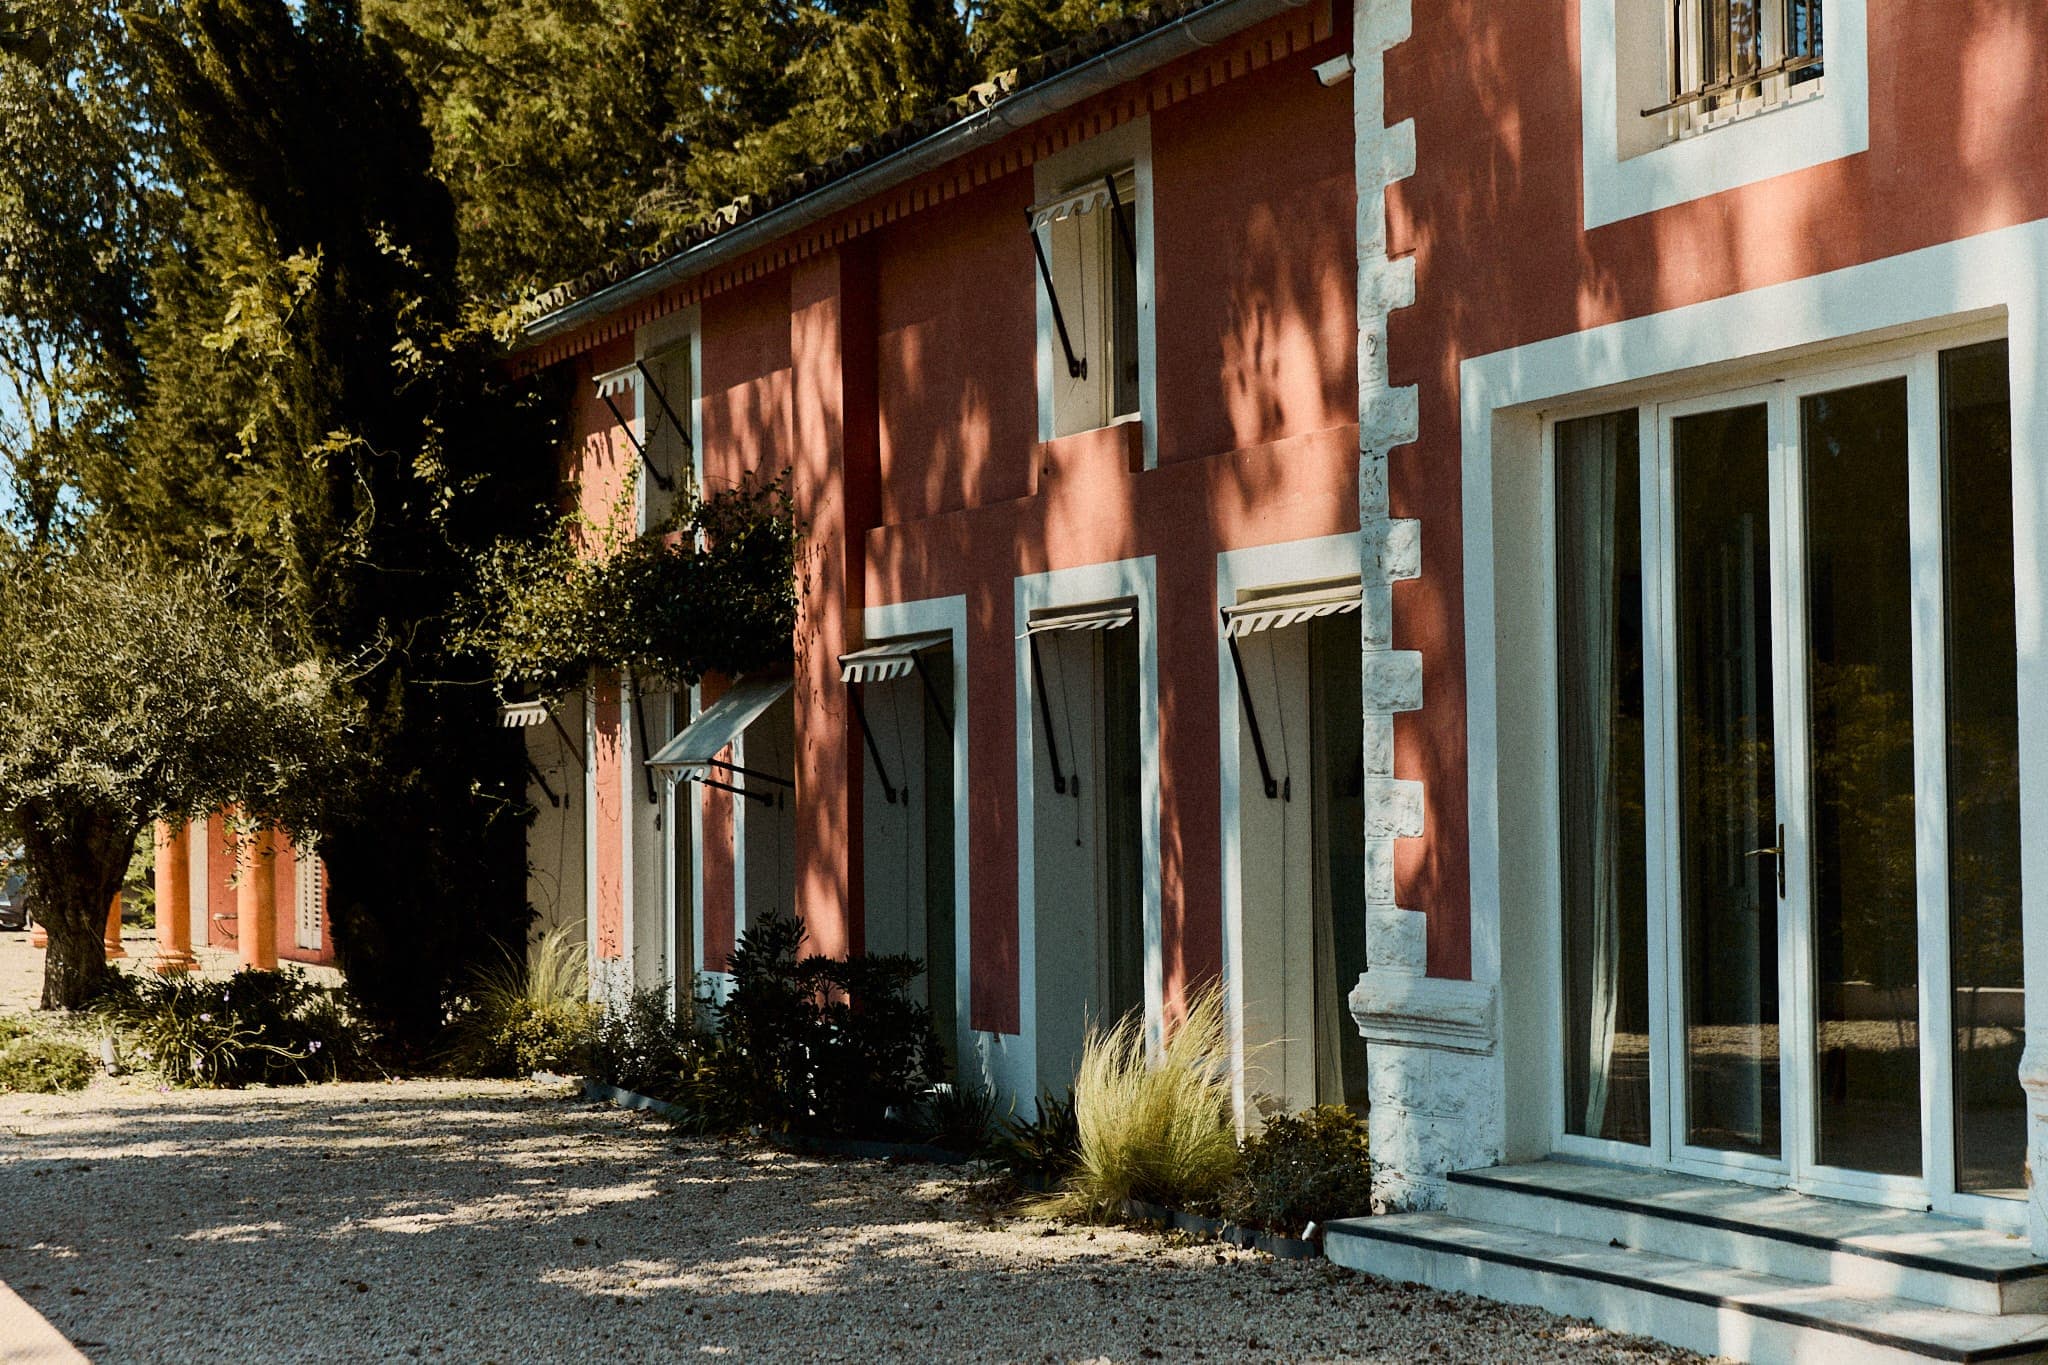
x,y
521,1017
817,1044
1303,1168
44,1066
648,1047
256,1027
1154,1130
960,1117
1044,1150
12,1028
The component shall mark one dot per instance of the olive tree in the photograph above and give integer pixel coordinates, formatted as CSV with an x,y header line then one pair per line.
x,y
132,692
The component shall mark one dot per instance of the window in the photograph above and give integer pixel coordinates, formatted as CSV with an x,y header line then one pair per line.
x,y
1085,240
1726,57
665,400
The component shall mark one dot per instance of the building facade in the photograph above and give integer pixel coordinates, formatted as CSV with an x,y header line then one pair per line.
x,y
1513,537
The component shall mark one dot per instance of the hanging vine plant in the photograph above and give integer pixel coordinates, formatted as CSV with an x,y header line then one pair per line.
x,y
710,590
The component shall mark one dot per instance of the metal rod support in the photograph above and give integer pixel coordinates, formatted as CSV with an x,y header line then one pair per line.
x,y
1052,739
874,751
1251,715
763,797
667,484
932,693
751,772
1123,224
1077,366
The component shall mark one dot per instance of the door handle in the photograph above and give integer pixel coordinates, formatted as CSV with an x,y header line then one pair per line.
x,y
1777,853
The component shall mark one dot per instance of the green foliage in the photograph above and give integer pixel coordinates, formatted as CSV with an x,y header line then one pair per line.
x,y
323,406
44,1066
522,1016
1043,1150
960,1117
132,691
256,1027
648,1048
664,608
12,1028
1303,1168
1159,1130
818,1044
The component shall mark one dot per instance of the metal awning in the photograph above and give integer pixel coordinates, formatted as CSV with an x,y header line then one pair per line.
x,y
1101,616
698,744
889,660
612,383
1081,201
1279,610
522,715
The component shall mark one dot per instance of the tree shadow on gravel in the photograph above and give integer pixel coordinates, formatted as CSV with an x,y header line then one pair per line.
x,y
455,1223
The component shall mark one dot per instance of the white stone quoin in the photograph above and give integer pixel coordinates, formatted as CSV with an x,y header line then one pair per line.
x,y
1431,1044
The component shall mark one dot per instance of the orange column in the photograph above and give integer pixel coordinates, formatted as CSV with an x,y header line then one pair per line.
x,y
113,940
173,898
256,899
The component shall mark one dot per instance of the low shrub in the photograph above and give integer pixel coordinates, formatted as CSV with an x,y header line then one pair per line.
x,y
1041,1151
256,1027
960,1117
1154,1130
648,1047
518,1017
12,1028
817,1044
44,1066
1303,1168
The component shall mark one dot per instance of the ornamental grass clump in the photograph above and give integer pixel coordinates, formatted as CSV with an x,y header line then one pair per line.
x,y
1153,1129
521,1017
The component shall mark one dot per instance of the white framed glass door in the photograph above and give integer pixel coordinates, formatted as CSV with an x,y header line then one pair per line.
x,y
1788,833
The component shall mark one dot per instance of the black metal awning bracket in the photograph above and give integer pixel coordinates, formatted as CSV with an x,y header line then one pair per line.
x,y
932,693
1123,224
667,484
640,729
1251,715
763,797
575,749
1052,739
874,751
626,427
1077,366
754,773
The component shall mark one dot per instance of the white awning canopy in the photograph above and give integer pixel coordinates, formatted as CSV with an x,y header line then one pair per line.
x,y
719,724
613,383
1068,205
522,715
1101,616
890,659
1278,610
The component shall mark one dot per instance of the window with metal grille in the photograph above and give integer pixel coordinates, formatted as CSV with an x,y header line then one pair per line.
x,y
1730,56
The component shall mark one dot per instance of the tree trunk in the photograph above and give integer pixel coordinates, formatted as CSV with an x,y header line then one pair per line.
x,y
77,859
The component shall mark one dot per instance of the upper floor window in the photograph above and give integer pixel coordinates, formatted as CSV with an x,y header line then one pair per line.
x,y
665,403
1724,58
1680,99
1086,243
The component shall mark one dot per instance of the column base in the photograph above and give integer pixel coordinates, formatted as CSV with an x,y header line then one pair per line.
x,y
172,964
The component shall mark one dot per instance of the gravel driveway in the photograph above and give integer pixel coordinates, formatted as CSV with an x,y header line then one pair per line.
x,y
500,1222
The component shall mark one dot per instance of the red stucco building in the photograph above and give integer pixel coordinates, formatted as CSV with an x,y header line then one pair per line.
x,y
1511,536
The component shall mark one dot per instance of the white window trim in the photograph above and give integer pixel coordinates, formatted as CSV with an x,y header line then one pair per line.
x,y
590,836
1239,571
1506,398
1128,144
1791,137
934,615
1134,578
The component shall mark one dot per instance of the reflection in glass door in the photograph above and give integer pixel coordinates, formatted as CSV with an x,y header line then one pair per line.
x,y
1864,897
1727,791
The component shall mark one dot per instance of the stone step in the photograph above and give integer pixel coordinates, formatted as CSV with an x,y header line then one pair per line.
x,y
1901,1253
1712,1309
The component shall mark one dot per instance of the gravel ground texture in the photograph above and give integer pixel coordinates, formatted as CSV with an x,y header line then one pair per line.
x,y
480,1221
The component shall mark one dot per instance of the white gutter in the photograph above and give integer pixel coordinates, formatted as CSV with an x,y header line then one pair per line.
x,y
1104,71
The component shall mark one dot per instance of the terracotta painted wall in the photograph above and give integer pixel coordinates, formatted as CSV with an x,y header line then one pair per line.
x,y
1493,219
